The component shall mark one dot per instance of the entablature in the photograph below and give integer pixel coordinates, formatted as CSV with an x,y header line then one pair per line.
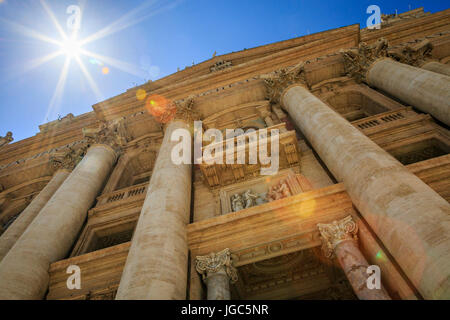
x,y
218,173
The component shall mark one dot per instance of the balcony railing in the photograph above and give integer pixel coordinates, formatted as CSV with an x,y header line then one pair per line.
x,y
123,194
383,118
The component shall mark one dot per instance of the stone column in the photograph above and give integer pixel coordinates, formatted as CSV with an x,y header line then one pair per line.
x,y
12,234
410,218
340,240
24,270
427,91
217,272
156,266
437,67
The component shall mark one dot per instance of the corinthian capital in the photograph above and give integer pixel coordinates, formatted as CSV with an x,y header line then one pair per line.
x,y
415,55
279,80
178,110
337,232
215,262
68,158
113,134
185,110
357,61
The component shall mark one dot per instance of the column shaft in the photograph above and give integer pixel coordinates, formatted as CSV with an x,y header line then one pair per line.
x,y
409,217
218,285
24,270
156,266
437,67
426,90
13,233
355,268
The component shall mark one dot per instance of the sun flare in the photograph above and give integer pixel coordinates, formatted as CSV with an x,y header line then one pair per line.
x,y
71,47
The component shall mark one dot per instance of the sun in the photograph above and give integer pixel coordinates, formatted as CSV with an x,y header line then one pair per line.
x,y
71,47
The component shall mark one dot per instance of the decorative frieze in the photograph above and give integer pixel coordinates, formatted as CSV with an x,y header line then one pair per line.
x,y
357,61
214,262
279,80
336,232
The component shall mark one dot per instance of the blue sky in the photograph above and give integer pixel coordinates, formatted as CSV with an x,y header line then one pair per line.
x,y
151,41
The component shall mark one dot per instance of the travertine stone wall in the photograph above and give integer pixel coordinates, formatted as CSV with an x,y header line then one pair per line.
x,y
423,89
13,233
24,270
156,266
409,217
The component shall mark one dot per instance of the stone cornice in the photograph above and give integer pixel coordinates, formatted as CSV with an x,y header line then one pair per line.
x,y
336,232
215,262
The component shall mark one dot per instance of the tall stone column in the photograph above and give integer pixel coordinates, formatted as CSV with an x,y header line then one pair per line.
x,y
426,90
217,272
437,67
16,229
410,218
156,266
24,270
340,240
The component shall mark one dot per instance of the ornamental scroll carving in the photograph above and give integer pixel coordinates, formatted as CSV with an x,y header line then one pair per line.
x,y
357,61
113,134
336,232
214,262
279,80
68,158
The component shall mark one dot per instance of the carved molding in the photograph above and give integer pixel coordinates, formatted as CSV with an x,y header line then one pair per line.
x,y
336,232
214,262
113,134
357,61
279,80
415,55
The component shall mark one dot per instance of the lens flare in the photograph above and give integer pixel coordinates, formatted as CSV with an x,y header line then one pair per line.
x,y
162,109
105,70
141,94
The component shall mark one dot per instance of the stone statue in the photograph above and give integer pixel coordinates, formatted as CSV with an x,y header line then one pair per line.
x,y
6,139
249,198
262,198
236,202
278,191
